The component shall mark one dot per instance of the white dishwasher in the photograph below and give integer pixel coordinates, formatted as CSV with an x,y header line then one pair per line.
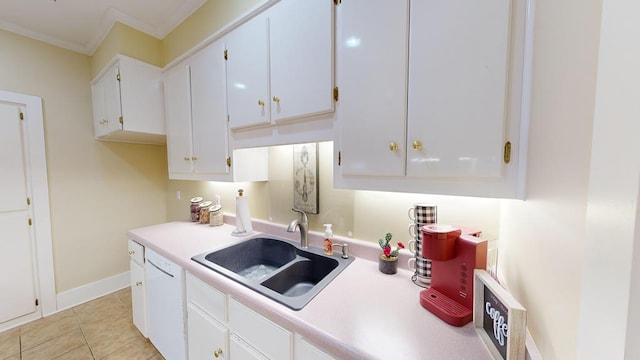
x,y
166,306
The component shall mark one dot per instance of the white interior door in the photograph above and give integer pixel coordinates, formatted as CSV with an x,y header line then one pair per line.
x,y
18,295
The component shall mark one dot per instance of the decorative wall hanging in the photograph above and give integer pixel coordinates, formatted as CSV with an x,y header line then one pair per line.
x,y
305,178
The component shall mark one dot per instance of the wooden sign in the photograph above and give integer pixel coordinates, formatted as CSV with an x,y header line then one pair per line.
x,y
499,319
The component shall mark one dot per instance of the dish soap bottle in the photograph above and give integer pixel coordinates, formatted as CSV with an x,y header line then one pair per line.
x,y
328,239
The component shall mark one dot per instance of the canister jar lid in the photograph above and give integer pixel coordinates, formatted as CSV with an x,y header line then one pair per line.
x,y
215,208
205,204
196,200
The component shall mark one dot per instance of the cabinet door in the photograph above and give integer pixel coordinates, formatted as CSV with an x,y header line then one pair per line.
x,y
111,83
207,337
178,119
99,111
372,72
209,111
261,333
301,58
247,74
138,299
304,350
240,350
457,87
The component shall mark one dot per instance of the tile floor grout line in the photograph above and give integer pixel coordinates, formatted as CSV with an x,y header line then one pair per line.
x,y
83,336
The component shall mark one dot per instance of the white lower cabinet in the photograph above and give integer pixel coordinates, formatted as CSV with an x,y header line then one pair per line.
x,y
267,337
241,350
138,297
208,338
220,327
303,349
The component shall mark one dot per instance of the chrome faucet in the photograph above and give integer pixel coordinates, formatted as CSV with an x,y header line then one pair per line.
x,y
303,226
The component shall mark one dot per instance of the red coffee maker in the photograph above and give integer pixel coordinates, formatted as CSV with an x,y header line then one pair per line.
x,y
453,258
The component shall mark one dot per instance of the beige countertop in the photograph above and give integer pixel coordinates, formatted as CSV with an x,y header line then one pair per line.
x,y
361,314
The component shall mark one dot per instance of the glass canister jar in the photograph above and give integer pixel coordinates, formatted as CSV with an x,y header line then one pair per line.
x,y
204,211
195,208
215,215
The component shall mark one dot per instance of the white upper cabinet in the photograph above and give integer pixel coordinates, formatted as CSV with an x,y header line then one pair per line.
x,y
208,111
177,87
280,64
432,101
247,74
457,87
301,58
197,130
372,74
128,102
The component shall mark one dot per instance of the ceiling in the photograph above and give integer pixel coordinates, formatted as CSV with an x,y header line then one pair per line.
x,y
80,25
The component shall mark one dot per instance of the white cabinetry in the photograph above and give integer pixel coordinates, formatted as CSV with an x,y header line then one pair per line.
x,y
437,107
128,102
226,329
138,296
197,132
280,64
263,335
304,350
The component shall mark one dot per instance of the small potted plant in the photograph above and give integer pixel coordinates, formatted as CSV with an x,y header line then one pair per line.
x,y
388,261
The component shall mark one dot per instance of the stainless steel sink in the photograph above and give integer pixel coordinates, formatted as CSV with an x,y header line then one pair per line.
x,y
276,268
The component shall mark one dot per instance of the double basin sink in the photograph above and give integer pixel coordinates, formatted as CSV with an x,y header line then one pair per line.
x,y
276,268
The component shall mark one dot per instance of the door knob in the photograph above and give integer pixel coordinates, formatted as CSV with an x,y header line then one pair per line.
x,y
393,146
131,252
417,145
217,353
138,283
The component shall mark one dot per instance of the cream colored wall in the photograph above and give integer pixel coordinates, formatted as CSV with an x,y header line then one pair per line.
x,y
543,238
125,40
97,190
365,215
205,21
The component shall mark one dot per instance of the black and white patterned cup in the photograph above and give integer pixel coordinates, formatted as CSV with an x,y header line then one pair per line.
x,y
421,267
423,214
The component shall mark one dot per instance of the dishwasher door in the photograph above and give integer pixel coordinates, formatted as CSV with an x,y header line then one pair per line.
x,y
166,306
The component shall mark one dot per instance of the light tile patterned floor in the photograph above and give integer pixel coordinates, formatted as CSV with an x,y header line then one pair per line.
x,y
99,329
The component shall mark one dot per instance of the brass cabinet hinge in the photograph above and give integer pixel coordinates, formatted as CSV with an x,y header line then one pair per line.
x,y
37,302
21,115
30,222
229,162
339,158
118,76
121,119
507,152
336,93
226,55
28,201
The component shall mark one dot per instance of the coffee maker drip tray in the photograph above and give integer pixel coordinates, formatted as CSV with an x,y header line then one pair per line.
x,y
450,311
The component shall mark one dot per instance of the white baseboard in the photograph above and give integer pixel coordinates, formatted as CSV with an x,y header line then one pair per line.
x,y
82,294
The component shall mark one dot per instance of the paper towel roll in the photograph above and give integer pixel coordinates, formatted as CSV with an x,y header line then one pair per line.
x,y
243,219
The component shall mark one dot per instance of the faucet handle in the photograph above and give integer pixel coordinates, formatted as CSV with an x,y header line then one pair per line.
x,y
302,214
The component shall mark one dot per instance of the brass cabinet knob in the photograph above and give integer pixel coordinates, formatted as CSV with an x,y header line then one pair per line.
x,y
217,353
138,283
276,99
393,146
260,102
417,145
131,252
194,158
187,158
